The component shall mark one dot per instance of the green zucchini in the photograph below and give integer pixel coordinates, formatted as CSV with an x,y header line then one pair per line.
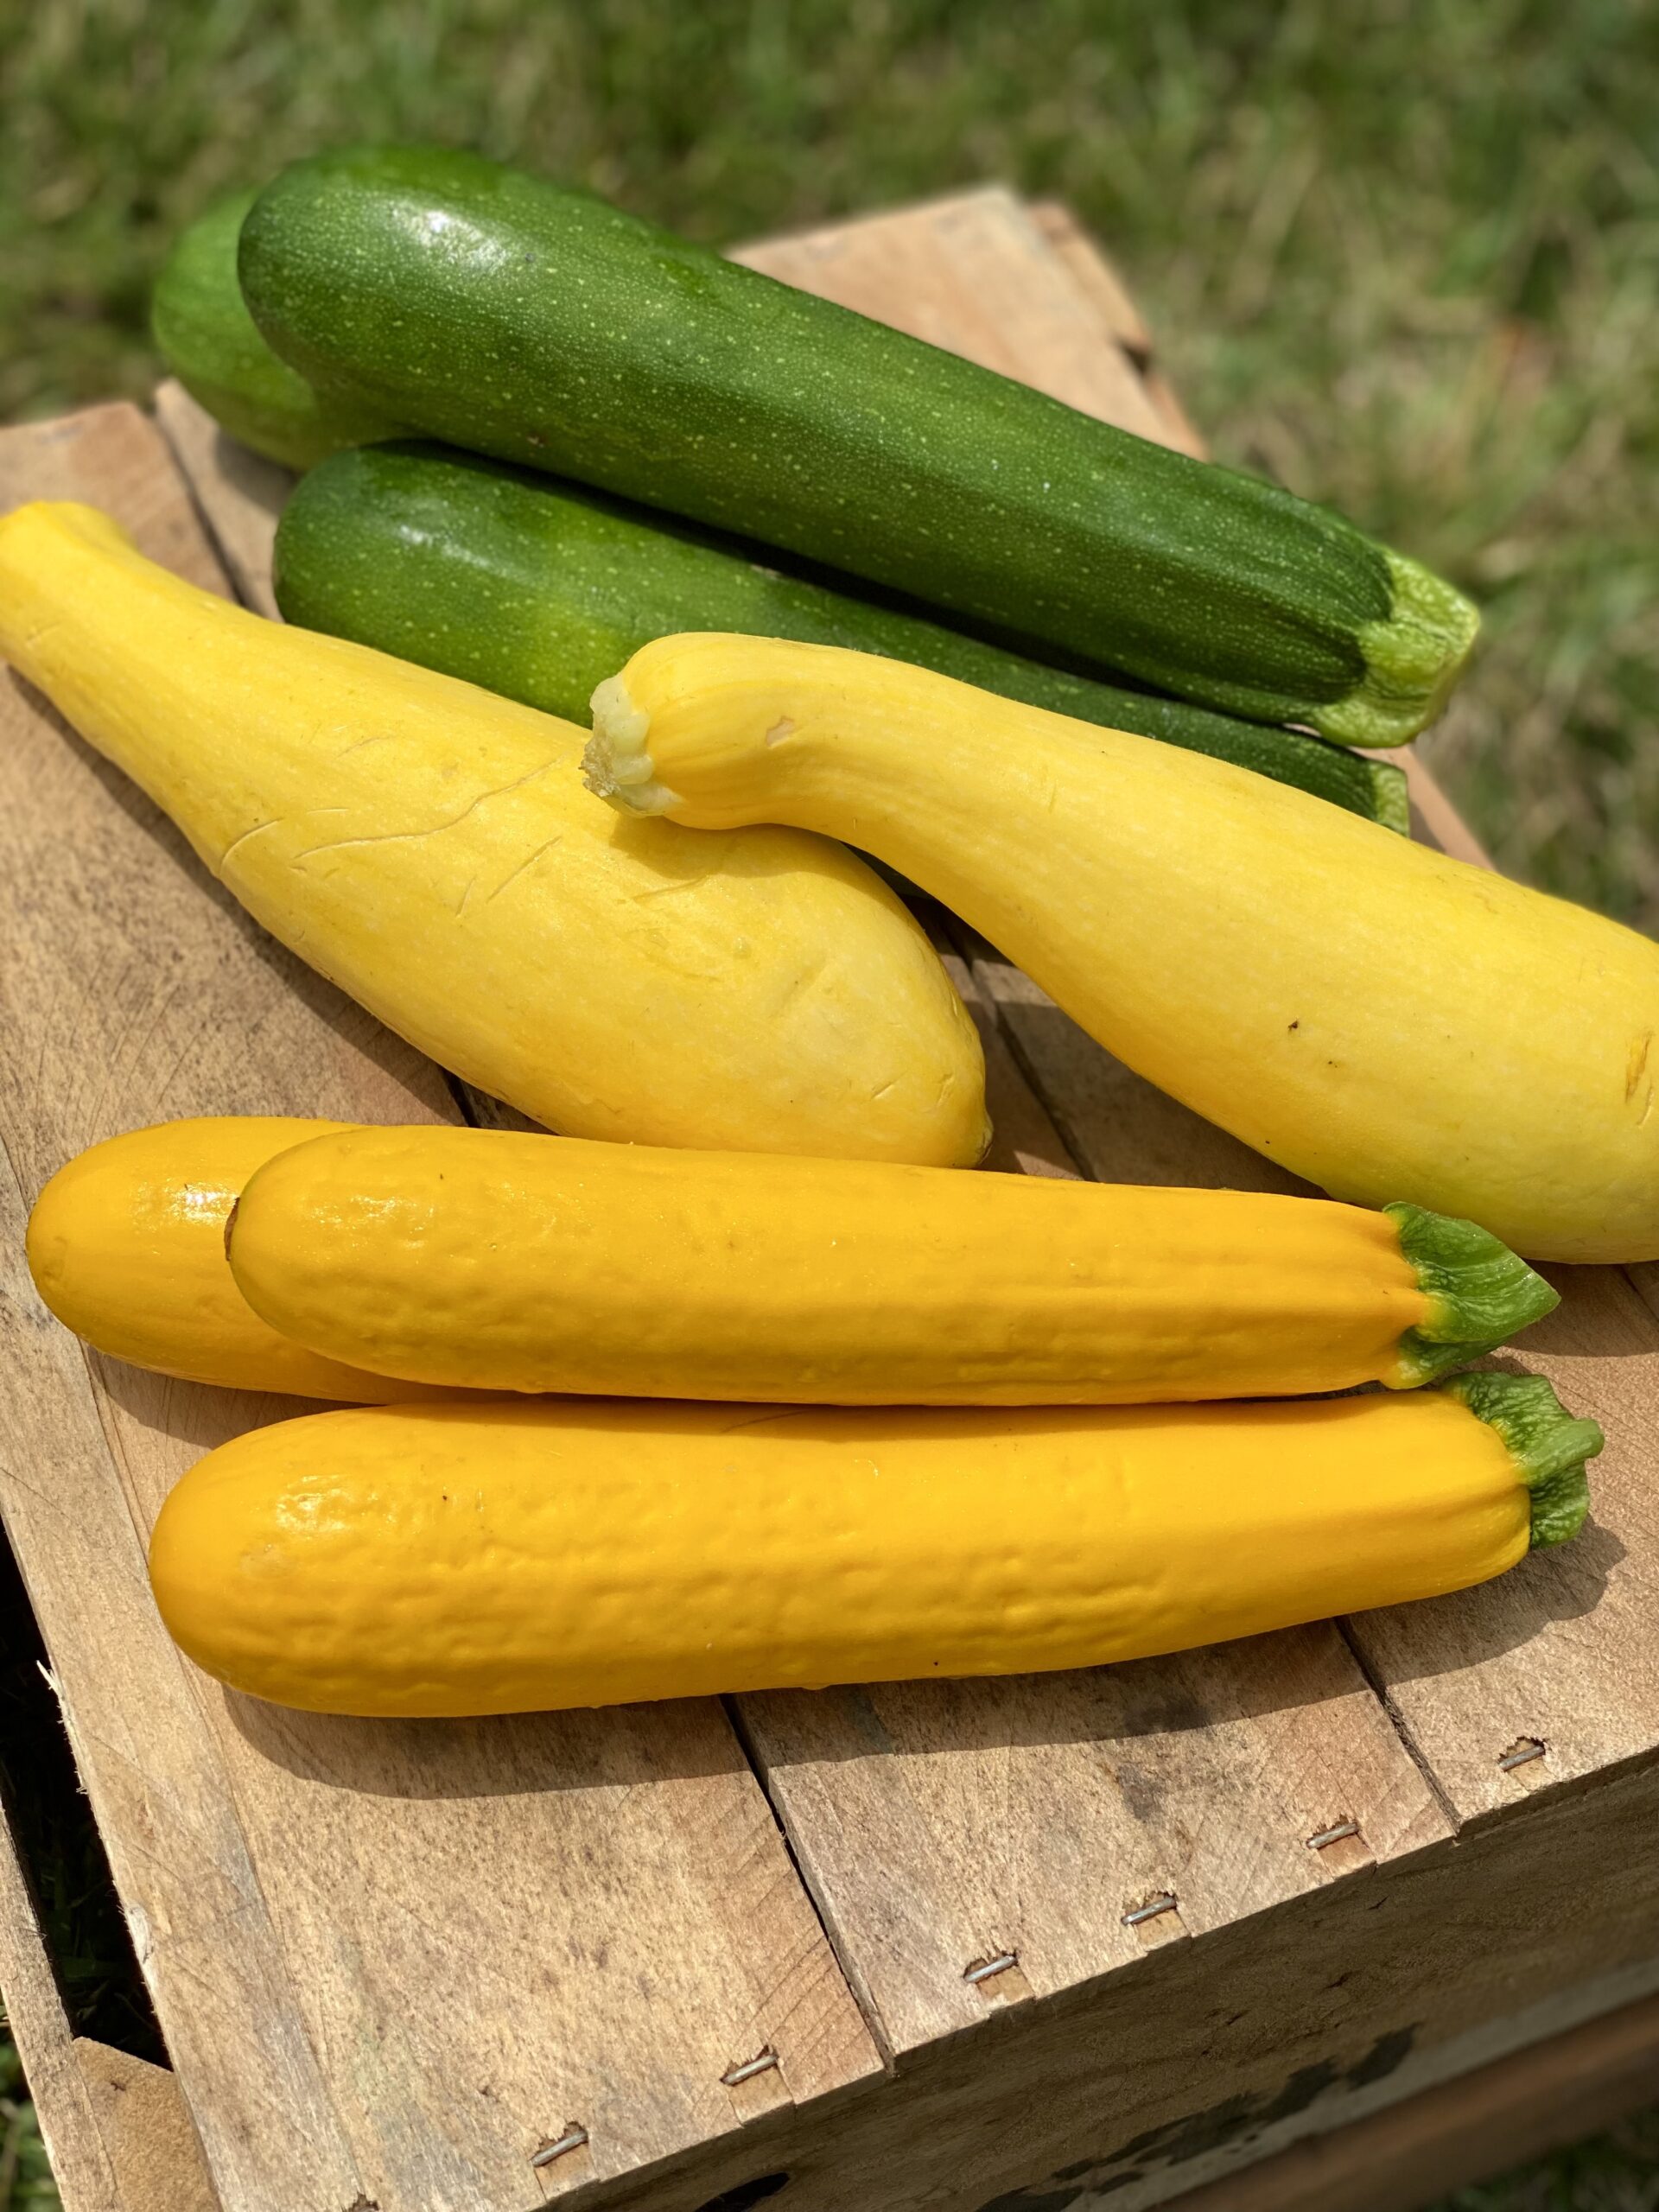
x,y
499,312
541,589
212,344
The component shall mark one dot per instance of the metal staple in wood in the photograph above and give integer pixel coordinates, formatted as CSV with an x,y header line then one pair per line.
x,y
572,2139
1519,1754
983,1972
1343,1829
1150,1910
760,2063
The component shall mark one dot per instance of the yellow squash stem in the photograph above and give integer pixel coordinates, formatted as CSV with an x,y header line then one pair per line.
x,y
1385,1021
428,846
499,1559
475,1257
126,1245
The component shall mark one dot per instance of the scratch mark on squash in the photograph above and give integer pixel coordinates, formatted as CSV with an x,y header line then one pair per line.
x,y
436,829
1637,1065
524,864
237,843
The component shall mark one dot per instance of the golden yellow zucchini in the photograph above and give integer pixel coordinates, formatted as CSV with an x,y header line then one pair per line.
x,y
126,1245
1385,1021
499,1559
509,1262
429,847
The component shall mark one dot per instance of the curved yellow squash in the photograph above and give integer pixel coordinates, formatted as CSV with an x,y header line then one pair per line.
x,y
126,1245
429,847
1385,1021
452,1560
509,1262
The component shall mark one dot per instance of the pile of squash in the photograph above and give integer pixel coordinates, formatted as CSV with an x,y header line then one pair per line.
x,y
741,1380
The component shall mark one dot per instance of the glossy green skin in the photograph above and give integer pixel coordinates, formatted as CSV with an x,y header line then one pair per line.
x,y
504,314
213,346
540,590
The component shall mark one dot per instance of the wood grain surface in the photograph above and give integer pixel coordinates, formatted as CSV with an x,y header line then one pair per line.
x,y
945,1826
248,492
424,1951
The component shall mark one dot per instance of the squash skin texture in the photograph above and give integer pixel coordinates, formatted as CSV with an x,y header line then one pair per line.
x,y
487,1260
450,1560
211,344
1385,1021
126,1246
429,847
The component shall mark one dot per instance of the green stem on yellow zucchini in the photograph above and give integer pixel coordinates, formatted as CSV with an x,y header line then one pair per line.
x,y
1548,1445
1480,1292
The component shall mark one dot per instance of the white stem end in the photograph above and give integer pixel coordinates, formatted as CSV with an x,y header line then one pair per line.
x,y
617,766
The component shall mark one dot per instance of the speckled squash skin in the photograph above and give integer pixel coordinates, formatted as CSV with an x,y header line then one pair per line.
x,y
429,847
506,313
539,589
126,1246
211,343
447,1559
477,1257
1388,1023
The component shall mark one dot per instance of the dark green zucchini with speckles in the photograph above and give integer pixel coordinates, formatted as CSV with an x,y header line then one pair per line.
x,y
495,311
210,342
540,590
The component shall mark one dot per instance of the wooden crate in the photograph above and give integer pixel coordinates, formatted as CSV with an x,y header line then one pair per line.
x,y
690,1957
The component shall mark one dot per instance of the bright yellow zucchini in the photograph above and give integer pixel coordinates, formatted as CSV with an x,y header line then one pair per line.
x,y
459,1559
429,847
126,1245
471,1257
1385,1021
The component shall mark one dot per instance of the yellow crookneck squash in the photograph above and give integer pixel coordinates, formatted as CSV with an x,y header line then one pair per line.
x,y
479,1258
550,1553
1385,1021
429,846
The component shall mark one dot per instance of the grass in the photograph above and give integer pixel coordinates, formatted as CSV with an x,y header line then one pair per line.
x,y
25,2177
1401,254
1615,2172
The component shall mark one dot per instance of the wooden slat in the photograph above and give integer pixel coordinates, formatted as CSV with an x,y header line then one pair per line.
x,y
1231,2045
946,1825
152,2142
1094,274
247,496
391,1961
